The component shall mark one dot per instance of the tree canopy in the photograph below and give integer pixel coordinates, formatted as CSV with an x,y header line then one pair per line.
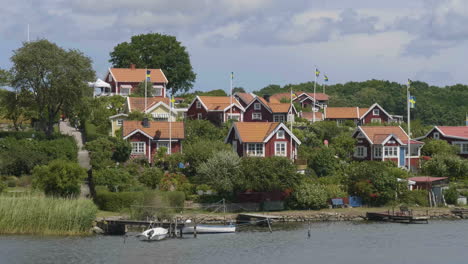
x,y
157,51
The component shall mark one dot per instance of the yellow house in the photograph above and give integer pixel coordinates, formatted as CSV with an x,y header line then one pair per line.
x,y
117,122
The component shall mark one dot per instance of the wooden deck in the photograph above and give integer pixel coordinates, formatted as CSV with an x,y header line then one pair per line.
x,y
461,212
120,226
397,217
257,218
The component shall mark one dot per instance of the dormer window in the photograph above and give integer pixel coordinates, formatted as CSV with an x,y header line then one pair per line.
x,y
110,78
198,105
257,106
280,134
376,112
436,135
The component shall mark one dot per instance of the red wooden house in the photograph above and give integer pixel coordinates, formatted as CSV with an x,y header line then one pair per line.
x,y
262,139
455,135
244,98
386,143
360,115
306,99
146,137
217,109
265,110
123,81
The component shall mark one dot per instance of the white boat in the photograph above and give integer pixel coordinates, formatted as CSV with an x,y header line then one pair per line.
x,y
209,229
157,233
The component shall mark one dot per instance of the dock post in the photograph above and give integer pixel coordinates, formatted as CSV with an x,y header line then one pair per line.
x,y
309,231
195,229
269,225
175,229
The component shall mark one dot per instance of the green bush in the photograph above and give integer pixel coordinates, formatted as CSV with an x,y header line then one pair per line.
x,y
115,179
434,147
222,171
91,131
23,134
24,181
116,201
309,195
451,195
3,186
334,191
175,199
415,197
59,178
151,177
11,181
447,165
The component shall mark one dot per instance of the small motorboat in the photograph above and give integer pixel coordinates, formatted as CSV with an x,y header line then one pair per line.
x,y
209,229
157,233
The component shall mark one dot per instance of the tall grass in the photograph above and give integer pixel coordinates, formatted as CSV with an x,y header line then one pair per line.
x,y
41,215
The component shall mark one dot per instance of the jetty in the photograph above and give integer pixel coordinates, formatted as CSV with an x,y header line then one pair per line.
x,y
460,212
120,226
397,217
257,218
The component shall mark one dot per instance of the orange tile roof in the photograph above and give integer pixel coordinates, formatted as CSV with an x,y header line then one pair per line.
x,y
319,96
255,131
138,103
342,112
158,130
218,102
454,131
310,116
279,108
138,75
246,97
362,111
377,134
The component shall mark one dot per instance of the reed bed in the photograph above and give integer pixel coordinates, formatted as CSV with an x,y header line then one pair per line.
x,y
40,215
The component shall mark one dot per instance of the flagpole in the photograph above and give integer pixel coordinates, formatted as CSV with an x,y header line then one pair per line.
x,y
170,121
313,103
232,77
146,84
409,125
291,125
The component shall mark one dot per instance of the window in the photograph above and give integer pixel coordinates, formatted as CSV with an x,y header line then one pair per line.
x,y
256,116
163,145
376,112
377,152
160,116
280,134
255,149
119,122
138,147
257,106
110,78
157,91
198,104
199,116
234,146
463,147
391,152
235,117
436,135
278,118
280,149
376,120
124,91
360,152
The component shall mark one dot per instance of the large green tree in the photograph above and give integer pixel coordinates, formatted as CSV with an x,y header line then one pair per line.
x,y
55,78
157,51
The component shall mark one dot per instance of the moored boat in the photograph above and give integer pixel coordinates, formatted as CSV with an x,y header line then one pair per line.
x,y
157,233
209,229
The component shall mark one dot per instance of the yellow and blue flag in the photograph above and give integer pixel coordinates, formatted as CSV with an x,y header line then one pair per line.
x,y
412,101
466,120
172,101
148,75
232,75
410,82
325,78
317,72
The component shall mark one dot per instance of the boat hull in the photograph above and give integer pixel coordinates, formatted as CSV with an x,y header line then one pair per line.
x,y
209,229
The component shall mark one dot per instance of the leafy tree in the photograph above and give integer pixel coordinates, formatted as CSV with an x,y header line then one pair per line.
x,y
222,171
5,78
445,165
238,90
323,161
140,90
451,195
13,107
196,130
115,179
175,182
122,150
59,178
434,147
197,152
218,92
343,145
309,195
101,151
157,51
151,177
54,78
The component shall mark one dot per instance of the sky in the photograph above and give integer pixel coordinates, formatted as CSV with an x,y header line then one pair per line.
x,y
262,41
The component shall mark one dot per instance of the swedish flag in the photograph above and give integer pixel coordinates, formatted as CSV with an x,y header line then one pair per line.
x,y
317,72
148,75
232,75
410,82
412,101
172,101
325,78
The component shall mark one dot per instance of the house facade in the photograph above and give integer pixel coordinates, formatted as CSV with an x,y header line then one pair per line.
x,y
383,143
117,123
147,137
157,107
262,139
263,110
360,115
454,135
306,99
217,109
123,81
244,98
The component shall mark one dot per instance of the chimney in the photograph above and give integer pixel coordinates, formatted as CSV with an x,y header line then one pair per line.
x,y
146,122
266,97
132,66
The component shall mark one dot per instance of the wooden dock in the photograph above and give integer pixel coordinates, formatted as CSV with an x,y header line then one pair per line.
x,y
261,219
397,218
120,226
461,212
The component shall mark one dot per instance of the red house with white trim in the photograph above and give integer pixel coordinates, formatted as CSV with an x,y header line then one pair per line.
x,y
217,109
263,139
265,110
360,115
386,143
454,135
146,137
123,81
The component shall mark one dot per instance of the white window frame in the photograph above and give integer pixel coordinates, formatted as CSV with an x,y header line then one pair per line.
x,y
360,152
120,122
378,152
255,149
256,116
110,77
283,151
391,151
257,106
137,146
163,144
235,117
124,89
199,116
376,120
281,134
278,118
462,145
436,135
234,145
198,105
157,88
376,112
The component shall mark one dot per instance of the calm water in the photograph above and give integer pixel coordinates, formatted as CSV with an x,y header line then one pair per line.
x,y
437,242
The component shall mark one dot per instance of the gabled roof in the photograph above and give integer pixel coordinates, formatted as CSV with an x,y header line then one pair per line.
x,y
272,106
156,130
258,132
218,103
319,96
137,75
245,97
365,111
118,115
310,116
426,179
381,134
460,132
342,112
138,103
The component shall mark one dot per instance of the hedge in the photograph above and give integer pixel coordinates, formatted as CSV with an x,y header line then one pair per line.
x,y
116,201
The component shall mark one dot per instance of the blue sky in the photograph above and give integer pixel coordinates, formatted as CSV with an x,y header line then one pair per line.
x,y
262,41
